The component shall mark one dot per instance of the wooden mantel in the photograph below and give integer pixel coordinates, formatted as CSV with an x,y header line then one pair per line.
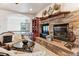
x,y
58,14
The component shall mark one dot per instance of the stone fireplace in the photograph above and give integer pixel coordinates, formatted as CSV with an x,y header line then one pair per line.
x,y
6,37
72,19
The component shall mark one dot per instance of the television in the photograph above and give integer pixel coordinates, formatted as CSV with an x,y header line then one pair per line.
x,y
61,31
45,30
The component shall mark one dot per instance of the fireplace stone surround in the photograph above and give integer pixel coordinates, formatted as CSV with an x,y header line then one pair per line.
x,y
15,38
5,36
73,20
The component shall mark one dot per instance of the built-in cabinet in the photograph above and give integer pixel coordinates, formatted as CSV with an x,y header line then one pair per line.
x,y
35,27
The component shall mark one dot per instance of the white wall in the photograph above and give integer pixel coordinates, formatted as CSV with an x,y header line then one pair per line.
x,y
15,20
39,14
10,21
64,7
3,23
70,7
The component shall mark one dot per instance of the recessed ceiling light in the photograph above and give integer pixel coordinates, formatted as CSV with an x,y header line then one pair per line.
x,y
30,9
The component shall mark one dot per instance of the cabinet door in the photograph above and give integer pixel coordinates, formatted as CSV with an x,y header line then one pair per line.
x,y
35,27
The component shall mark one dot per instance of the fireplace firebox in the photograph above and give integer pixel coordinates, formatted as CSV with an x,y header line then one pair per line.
x,y
7,39
61,31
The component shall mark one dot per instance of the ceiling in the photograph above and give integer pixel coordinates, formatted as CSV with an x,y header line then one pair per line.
x,y
23,8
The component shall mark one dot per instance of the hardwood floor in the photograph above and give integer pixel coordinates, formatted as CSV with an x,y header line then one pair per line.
x,y
56,47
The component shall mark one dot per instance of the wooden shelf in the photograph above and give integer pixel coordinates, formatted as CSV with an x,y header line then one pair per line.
x,y
63,14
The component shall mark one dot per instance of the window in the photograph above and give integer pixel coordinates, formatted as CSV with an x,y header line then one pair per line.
x,y
25,27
